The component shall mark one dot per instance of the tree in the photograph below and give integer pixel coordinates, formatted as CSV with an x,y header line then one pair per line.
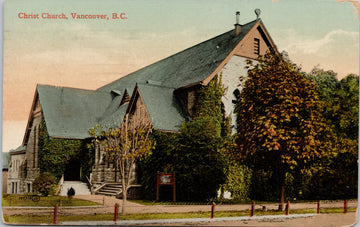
x,y
200,165
124,147
341,101
194,153
44,184
279,122
339,167
345,111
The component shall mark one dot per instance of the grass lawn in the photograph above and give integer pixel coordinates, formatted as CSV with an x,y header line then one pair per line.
x,y
43,201
47,219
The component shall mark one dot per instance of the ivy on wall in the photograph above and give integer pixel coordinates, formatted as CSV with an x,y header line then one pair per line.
x,y
55,154
193,154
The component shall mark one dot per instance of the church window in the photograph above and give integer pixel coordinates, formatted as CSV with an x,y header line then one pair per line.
x,y
256,46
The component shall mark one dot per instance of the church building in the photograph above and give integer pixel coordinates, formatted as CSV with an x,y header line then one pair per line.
x,y
162,93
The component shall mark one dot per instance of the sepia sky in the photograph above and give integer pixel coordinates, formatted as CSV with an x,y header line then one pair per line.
x,y
87,53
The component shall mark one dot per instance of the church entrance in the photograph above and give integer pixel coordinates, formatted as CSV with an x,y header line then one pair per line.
x,y
72,171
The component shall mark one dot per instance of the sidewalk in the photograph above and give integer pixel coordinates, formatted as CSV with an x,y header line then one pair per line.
x,y
108,207
186,220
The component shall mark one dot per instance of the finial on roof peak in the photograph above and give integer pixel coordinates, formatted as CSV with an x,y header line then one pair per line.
x,y
257,12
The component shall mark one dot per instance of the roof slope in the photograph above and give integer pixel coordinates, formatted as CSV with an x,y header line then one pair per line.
x,y
186,67
69,112
115,119
162,106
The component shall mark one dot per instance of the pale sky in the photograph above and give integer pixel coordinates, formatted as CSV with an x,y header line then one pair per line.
x,y
90,53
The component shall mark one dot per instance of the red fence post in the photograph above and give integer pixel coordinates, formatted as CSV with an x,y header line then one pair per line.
x,y
287,208
252,209
345,207
212,210
55,214
116,211
318,207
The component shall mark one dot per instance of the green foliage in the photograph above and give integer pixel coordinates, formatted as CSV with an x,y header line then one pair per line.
x,y
238,181
71,192
199,165
44,184
161,160
123,144
192,154
28,200
208,103
338,167
341,100
56,153
278,116
335,176
345,107
280,125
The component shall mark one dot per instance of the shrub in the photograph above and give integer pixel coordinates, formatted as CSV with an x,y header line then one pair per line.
x,y
44,184
71,192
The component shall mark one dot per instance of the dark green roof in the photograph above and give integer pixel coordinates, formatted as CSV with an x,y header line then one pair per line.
x,y
186,67
70,113
114,119
162,106
5,160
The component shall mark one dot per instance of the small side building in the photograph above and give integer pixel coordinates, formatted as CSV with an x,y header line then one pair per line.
x,y
5,165
16,171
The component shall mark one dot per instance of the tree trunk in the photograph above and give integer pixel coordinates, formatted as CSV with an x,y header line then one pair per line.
x,y
282,189
123,212
124,191
281,202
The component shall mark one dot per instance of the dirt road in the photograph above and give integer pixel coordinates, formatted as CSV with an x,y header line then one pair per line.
x,y
320,220
107,206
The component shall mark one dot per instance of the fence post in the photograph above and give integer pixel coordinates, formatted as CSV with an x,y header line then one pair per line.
x,y
252,209
345,207
116,211
287,208
212,210
318,207
55,214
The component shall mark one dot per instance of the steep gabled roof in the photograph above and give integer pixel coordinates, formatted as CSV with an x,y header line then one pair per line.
x,y
186,67
162,106
115,119
69,112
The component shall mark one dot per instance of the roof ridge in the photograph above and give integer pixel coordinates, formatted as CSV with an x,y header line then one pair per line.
x,y
70,88
173,55
155,85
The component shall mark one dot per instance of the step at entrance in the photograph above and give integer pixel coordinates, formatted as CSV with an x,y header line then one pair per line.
x,y
80,188
109,190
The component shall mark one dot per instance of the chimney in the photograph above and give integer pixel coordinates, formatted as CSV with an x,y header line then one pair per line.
x,y
237,25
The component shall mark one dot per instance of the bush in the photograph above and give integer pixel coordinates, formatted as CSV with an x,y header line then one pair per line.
x,y
44,184
71,192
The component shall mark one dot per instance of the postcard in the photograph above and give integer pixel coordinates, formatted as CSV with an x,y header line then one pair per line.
x,y
158,112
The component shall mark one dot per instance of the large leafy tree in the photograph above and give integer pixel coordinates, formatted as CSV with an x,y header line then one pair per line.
x,y
345,110
341,101
279,121
194,153
339,167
